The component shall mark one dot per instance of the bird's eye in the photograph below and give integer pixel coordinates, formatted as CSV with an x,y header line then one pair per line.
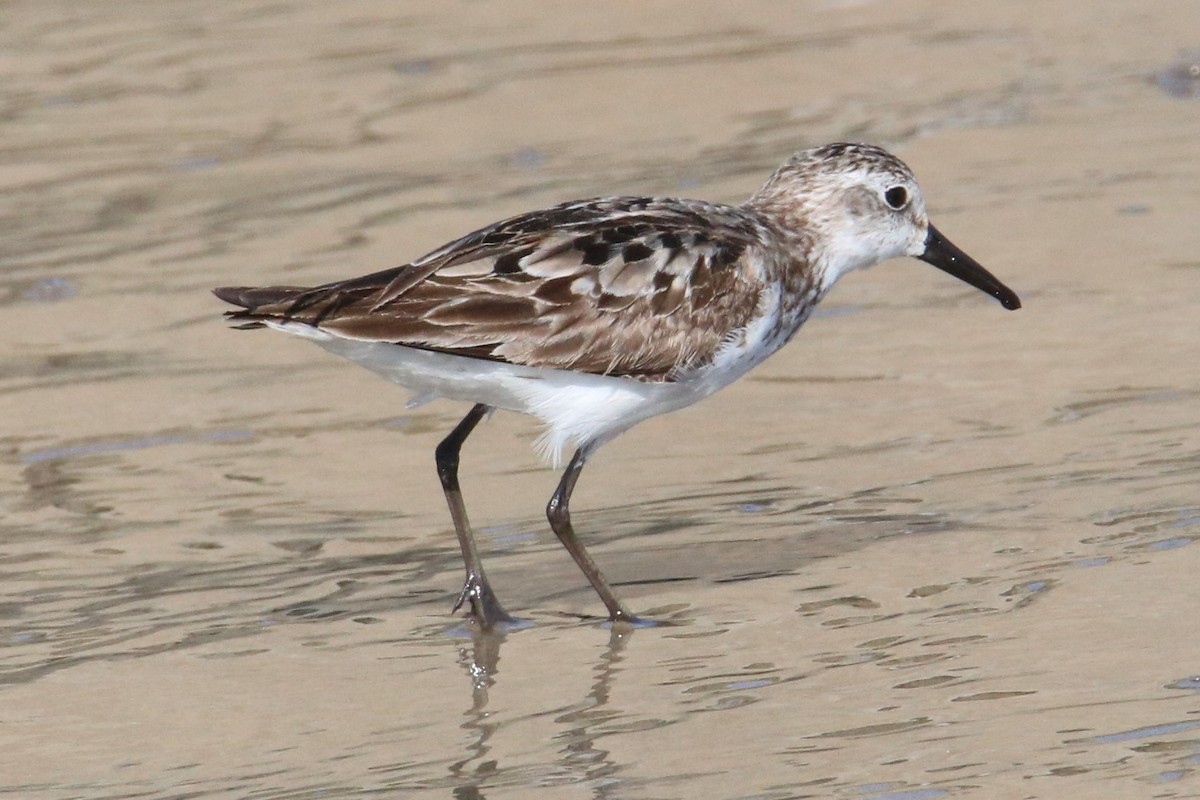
x,y
896,197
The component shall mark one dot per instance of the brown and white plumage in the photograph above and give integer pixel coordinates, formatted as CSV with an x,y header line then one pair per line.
x,y
596,314
624,286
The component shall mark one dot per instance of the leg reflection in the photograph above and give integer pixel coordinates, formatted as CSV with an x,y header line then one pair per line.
x,y
480,661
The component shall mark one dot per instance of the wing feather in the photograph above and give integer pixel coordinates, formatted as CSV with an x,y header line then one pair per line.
x,y
620,286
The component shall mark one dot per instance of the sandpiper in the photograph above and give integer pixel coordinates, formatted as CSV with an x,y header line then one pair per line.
x,y
597,314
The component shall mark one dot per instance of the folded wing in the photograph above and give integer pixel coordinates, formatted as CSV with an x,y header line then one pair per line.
x,y
617,286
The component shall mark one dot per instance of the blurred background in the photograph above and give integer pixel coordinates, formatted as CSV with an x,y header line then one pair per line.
x,y
931,549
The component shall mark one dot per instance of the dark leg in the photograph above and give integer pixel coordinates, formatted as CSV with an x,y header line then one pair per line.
x,y
559,514
476,590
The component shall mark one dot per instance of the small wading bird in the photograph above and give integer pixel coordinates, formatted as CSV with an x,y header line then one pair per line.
x,y
597,314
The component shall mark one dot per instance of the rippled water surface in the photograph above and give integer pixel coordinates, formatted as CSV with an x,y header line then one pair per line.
x,y
932,549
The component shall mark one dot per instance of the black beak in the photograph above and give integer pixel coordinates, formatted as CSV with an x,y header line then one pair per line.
x,y
942,253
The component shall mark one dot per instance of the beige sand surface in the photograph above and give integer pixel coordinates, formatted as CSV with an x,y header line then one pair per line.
x,y
933,549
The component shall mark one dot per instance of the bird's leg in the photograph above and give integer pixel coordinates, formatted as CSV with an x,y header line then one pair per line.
x,y
476,590
559,513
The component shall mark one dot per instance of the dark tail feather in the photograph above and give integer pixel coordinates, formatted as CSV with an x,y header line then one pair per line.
x,y
250,298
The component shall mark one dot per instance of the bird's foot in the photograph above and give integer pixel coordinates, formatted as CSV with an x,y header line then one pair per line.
x,y
485,608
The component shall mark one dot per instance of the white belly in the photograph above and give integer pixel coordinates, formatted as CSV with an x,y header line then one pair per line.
x,y
577,407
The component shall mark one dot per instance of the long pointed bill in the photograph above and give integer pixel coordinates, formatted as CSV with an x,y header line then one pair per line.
x,y
942,253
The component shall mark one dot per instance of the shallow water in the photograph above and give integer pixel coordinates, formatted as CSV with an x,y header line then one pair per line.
x,y
932,549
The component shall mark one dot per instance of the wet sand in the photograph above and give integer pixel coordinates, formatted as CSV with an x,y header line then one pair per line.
x,y
931,549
